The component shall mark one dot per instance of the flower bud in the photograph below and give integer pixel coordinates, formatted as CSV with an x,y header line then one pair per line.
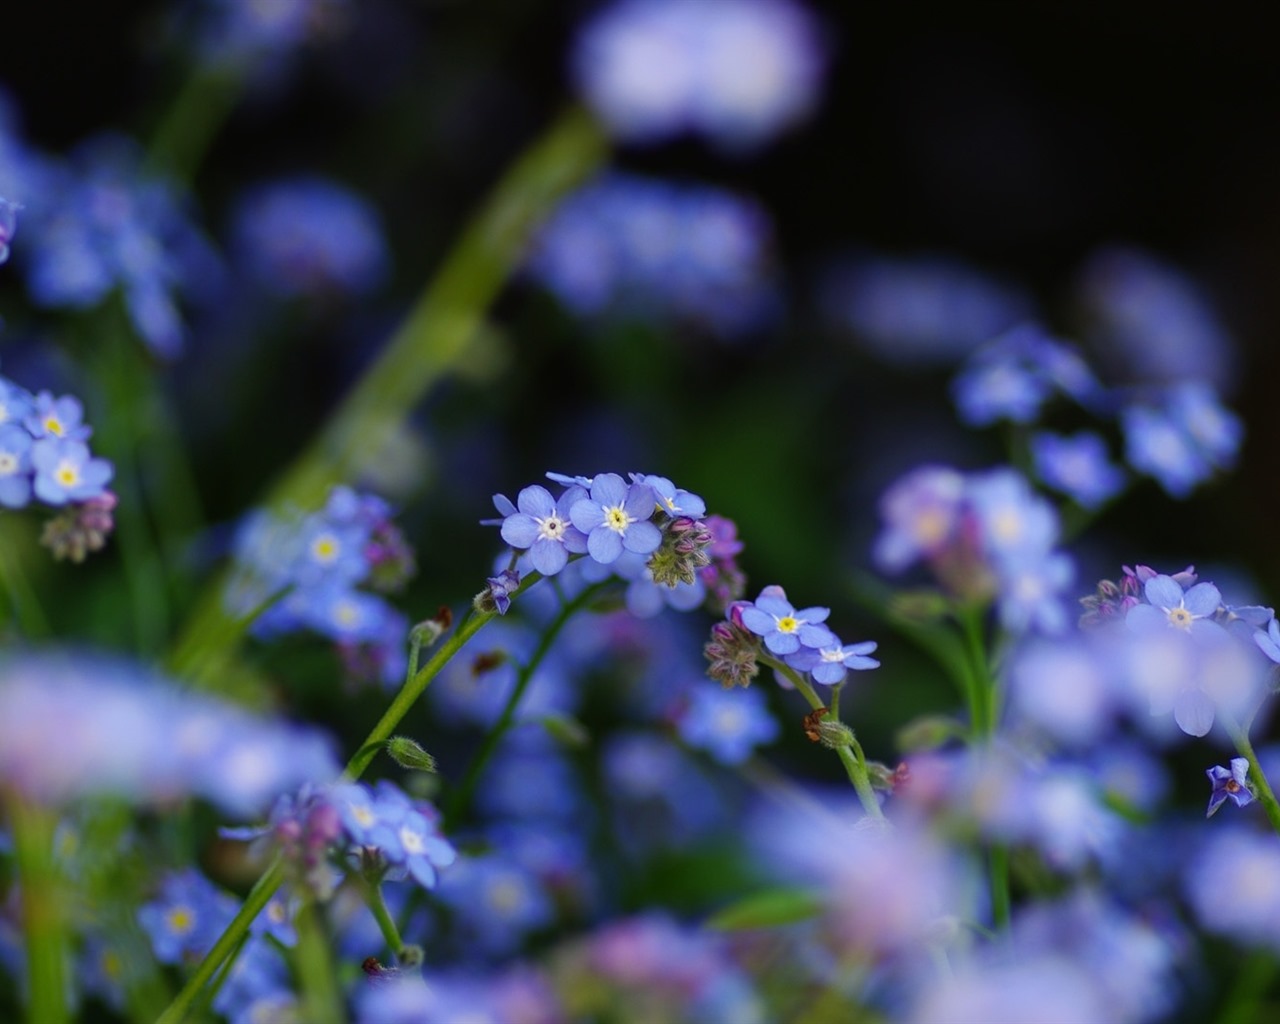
x,y
408,753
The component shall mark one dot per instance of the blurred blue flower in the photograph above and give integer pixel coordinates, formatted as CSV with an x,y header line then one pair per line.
x,y
496,902
829,664
8,223
66,471
659,251
1233,885
187,916
308,237
921,310
15,466
737,72
1077,466
728,724
1154,319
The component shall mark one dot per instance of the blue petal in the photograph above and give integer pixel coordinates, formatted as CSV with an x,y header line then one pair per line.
x,y
536,501
1193,711
1201,600
642,538
1163,592
604,545
519,530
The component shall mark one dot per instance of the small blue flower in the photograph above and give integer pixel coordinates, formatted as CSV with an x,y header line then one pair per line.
x,y
542,524
829,664
728,724
1155,444
57,417
1233,783
186,917
922,514
1269,642
784,629
15,466
1077,466
672,500
65,471
616,518
309,236
1170,607
501,587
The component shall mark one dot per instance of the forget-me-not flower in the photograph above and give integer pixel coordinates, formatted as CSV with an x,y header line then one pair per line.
x,y
1232,782
784,629
616,518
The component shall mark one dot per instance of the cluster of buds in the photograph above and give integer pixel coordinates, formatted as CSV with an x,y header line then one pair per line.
x,y
682,553
305,828
80,528
732,652
391,561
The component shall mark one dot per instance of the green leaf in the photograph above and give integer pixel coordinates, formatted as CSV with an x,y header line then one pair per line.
x,y
767,909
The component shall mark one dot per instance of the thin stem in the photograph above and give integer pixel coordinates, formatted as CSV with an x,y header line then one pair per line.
x,y
365,753
983,698
432,341
855,763
461,797
1260,782
386,923
41,912
183,136
321,999
998,868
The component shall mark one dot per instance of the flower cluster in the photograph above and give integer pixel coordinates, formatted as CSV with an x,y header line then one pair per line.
x,y
633,247
44,456
796,637
737,72
311,570
982,535
97,224
647,531
63,720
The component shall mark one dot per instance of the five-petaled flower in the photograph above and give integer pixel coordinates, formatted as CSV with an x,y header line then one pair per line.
x,y
1170,606
784,629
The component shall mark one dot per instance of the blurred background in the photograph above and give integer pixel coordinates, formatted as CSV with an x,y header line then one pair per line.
x,y
961,169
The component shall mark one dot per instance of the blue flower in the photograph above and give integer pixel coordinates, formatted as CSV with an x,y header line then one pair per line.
x,y
736,71
65,471
784,629
542,524
1171,607
830,663
1233,783
919,310
672,500
1077,466
616,518
496,901
15,402
186,917
728,724
307,237
922,513
1269,642
15,466
57,417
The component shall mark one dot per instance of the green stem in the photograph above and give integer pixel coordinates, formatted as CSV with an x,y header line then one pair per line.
x,y
983,698
386,923
27,611
461,797
321,999
855,763
183,136
1261,785
365,753
434,338
1243,1003
41,911
998,869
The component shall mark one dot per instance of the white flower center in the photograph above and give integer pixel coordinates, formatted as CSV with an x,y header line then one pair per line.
x,y
551,528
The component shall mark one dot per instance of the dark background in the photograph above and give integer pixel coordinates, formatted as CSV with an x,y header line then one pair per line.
x,y
1018,139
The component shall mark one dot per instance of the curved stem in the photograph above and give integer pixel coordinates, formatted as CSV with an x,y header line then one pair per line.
x,y
461,797
1266,795
851,756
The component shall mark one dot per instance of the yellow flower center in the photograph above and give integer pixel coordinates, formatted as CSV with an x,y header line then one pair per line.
x,y
67,474
788,624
